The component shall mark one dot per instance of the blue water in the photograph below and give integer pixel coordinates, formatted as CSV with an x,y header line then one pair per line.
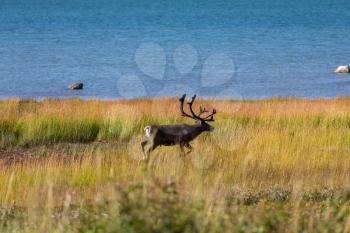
x,y
278,48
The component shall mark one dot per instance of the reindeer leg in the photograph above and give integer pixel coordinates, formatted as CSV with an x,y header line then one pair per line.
x,y
143,144
182,151
150,149
188,146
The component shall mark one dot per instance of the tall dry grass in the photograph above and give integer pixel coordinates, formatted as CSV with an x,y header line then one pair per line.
x,y
268,164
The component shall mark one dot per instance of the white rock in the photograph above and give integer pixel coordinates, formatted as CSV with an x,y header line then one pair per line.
x,y
342,69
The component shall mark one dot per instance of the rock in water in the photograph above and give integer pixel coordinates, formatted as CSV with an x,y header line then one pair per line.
x,y
342,69
76,86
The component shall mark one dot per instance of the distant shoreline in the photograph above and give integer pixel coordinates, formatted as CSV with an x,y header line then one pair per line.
x,y
175,97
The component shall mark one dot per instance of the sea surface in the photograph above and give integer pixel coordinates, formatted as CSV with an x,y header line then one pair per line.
x,y
123,48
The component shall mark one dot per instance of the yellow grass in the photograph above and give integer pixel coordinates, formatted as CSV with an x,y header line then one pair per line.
x,y
261,153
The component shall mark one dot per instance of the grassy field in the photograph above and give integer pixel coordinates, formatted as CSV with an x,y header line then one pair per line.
x,y
279,165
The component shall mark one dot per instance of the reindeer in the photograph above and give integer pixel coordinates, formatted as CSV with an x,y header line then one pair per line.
x,y
180,134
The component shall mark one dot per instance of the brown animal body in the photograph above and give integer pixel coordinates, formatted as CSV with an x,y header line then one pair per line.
x,y
179,134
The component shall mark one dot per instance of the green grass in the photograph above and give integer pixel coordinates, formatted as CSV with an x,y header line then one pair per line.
x,y
154,207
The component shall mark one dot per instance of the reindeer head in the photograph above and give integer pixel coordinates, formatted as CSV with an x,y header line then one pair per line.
x,y
197,117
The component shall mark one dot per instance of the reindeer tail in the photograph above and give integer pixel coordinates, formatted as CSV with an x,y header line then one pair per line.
x,y
148,130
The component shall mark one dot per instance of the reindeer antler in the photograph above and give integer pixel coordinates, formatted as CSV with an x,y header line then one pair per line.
x,y
211,116
201,110
182,100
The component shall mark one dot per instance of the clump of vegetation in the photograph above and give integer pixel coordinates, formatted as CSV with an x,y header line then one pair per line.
x,y
161,207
